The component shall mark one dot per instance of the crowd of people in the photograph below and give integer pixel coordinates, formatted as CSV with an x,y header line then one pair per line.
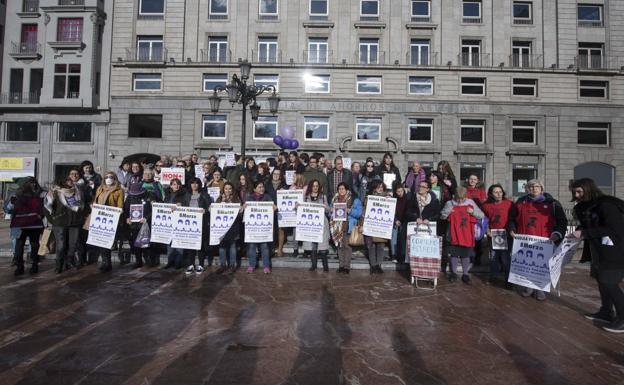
x,y
422,196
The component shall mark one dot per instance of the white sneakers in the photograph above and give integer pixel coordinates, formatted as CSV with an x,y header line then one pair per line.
x,y
194,269
199,269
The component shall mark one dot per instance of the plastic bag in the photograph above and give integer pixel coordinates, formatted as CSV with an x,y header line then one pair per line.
x,y
142,240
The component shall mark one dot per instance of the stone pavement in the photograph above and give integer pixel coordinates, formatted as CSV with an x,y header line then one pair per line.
x,y
154,326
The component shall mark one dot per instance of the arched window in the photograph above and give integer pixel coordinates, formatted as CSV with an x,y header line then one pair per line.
x,y
602,173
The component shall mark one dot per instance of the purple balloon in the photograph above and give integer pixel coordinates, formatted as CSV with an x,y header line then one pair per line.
x,y
295,144
278,140
287,132
287,144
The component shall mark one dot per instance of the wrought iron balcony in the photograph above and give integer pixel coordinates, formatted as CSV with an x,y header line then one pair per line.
x,y
318,56
474,59
25,50
153,55
71,2
266,56
598,62
366,57
216,56
20,98
30,6
526,61
422,60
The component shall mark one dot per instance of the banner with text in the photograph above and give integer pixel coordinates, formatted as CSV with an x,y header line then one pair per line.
x,y
187,228
310,222
529,262
379,216
162,223
103,226
222,217
258,219
561,257
286,211
169,173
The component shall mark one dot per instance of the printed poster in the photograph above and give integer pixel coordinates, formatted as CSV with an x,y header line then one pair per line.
x,y
339,212
379,216
499,239
199,173
162,223
136,213
412,228
290,177
530,257
346,163
214,193
561,257
187,228
230,159
222,217
286,207
169,173
103,226
388,179
310,222
258,219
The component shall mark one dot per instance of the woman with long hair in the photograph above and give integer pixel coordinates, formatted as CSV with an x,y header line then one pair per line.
x,y
227,247
601,220
341,230
388,171
272,186
251,169
244,187
448,177
314,194
498,209
26,215
176,195
259,195
375,245
110,194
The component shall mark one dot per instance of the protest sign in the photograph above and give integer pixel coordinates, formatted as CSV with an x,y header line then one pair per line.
x,y
310,222
346,163
379,216
412,228
499,239
136,213
169,173
286,210
162,223
529,262
103,226
230,159
199,173
339,212
290,177
258,219
214,193
222,217
561,257
187,228
388,179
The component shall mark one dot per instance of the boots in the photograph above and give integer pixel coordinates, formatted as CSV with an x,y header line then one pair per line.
x,y
324,260
280,243
139,260
58,269
106,265
19,262
314,258
34,268
155,260
124,258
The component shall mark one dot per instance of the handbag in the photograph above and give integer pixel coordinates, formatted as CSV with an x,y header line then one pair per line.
x,y
47,244
356,238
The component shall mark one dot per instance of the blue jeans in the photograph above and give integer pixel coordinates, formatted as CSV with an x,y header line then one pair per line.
x,y
174,256
227,247
498,258
264,251
394,240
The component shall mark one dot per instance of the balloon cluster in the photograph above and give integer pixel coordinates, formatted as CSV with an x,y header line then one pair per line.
x,y
286,138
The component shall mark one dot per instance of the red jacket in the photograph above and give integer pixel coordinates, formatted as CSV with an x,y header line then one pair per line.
x,y
498,213
461,227
477,194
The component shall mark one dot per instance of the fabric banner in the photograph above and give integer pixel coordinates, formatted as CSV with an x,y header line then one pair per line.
x,y
222,217
310,222
258,219
103,226
499,239
162,223
561,257
187,228
168,173
286,211
379,216
529,262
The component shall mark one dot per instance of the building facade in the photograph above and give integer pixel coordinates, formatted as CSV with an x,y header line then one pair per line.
x,y
54,103
510,90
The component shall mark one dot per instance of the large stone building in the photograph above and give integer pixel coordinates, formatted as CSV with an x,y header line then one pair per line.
x,y
55,77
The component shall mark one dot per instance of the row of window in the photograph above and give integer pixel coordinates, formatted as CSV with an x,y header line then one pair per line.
x,y
368,129
372,84
420,10
69,132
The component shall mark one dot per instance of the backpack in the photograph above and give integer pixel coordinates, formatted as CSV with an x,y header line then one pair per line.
x,y
481,228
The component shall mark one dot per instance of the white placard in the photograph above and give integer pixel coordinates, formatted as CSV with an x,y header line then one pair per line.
x,y
169,173
230,159
222,217
388,179
199,173
290,177
310,222
103,226
499,239
424,246
346,163
214,193
286,207
561,257
379,216
258,219
424,228
162,223
529,262
187,228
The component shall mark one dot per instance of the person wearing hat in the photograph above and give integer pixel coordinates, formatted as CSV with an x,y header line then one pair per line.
x,y
538,213
138,195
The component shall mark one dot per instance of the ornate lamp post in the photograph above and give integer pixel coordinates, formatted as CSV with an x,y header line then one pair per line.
x,y
240,92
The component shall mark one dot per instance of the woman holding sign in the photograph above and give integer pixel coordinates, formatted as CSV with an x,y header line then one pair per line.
x,y
341,229
314,194
498,210
271,187
138,212
110,194
602,226
375,245
388,172
259,196
200,199
178,196
227,247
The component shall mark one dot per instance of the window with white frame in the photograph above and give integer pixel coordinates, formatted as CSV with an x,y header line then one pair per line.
x,y
218,49
214,126
521,54
523,132
265,128
315,83
73,132
590,55
150,48
420,130
368,129
594,89
69,29
317,50
419,51
267,80
473,86
214,80
369,9
368,84
151,7
593,133
471,53
472,131
524,87
267,49
319,8
589,15
421,85
316,127
66,81
369,51
268,8
471,11
147,82
218,9
421,10
522,12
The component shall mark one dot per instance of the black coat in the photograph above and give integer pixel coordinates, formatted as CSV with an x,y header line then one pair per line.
x,y
431,212
601,218
346,178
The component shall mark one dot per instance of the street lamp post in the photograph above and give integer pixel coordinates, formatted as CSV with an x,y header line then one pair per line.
x,y
240,92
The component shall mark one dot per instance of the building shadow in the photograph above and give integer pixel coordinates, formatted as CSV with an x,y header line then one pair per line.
x,y
534,370
321,336
413,368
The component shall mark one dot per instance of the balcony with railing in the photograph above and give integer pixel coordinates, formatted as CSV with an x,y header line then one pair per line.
x,y
474,59
526,61
522,21
471,20
65,3
216,56
598,62
20,98
146,55
318,56
25,50
370,58
30,6
270,56
590,23
422,60
421,19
